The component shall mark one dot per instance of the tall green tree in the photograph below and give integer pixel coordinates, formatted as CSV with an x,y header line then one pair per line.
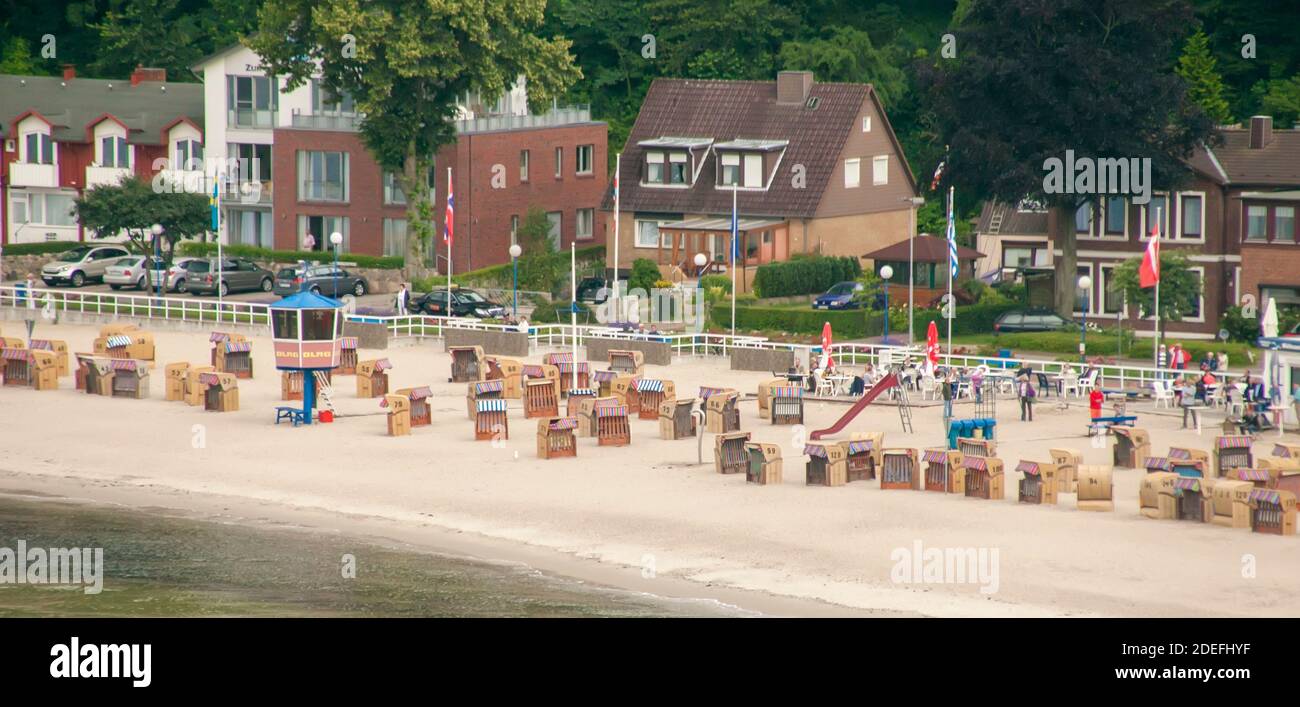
x,y
847,54
1204,85
133,207
16,58
1281,99
405,64
1033,79
1180,288
541,266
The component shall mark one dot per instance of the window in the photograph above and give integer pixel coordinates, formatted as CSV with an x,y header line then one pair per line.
x,y
1190,216
284,322
584,153
18,209
393,193
251,101
114,152
559,162
395,236
654,162
523,165
320,228
40,148
514,229
584,223
324,102
318,324
754,170
251,227
1191,311
1116,216
677,168
556,219
44,209
1083,220
1023,256
730,170
1112,296
866,123
1257,223
851,173
1284,223
322,176
59,210
189,156
254,161
647,234
880,170
767,237
1159,204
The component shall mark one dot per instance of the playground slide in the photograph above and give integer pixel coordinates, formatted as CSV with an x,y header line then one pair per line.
x,y
889,381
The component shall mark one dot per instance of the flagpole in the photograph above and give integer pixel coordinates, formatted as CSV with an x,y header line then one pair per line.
x,y
450,235
1155,350
952,237
735,228
220,260
573,308
618,163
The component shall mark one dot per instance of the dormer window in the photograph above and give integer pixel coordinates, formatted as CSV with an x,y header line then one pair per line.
x,y
747,163
654,167
39,148
189,155
114,152
674,161
677,168
730,170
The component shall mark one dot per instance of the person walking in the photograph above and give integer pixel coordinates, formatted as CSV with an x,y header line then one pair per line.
x,y
1027,395
403,300
947,392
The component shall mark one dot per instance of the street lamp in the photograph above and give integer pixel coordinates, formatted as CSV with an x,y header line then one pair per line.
x,y
515,252
157,231
1085,282
700,261
336,239
886,272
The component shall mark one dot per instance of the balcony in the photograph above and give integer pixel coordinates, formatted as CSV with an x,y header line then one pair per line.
x,y
344,122
244,118
24,174
569,115
111,176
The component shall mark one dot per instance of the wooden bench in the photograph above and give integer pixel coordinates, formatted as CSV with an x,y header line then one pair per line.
x,y
1105,423
294,415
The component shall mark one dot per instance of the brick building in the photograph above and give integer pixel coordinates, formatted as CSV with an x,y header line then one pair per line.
x,y
63,135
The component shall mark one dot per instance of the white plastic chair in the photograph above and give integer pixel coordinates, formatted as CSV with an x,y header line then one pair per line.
x,y
1162,393
1088,383
1070,385
930,388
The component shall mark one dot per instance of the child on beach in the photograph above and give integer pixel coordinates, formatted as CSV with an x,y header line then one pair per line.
x,y
1095,399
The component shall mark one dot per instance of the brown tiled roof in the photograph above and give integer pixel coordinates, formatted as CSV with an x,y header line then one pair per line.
x,y
1276,164
728,110
926,249
1014,222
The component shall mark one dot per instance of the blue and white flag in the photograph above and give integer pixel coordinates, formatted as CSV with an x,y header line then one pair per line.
x,y
952,240
735,229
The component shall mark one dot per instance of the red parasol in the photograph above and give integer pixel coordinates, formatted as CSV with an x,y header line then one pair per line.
x,y
931,347
826,346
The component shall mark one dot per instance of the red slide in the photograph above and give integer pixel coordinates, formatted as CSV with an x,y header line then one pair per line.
x,y
889,381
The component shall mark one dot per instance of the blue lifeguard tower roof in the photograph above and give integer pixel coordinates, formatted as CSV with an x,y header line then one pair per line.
x,y
307,300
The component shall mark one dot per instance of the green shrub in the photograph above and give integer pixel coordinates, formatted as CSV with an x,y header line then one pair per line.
x,y
1239,327
804,275
645,273
846,325
209,250
970,319
711,281
558,312
47,247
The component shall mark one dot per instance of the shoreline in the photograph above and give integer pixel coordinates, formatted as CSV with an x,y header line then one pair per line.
x,y
402,536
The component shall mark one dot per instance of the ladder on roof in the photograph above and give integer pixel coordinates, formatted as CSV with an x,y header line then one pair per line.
x,y
995,222
324,391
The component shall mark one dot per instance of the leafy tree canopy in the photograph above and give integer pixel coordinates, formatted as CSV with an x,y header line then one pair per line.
x,y
133,207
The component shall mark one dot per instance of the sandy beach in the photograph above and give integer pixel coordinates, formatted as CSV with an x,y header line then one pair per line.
x,y
648,516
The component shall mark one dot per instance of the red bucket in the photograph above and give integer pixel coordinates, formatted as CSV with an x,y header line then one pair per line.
x,y
326,416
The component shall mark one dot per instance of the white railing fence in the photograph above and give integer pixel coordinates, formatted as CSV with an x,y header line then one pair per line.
x,y
146,306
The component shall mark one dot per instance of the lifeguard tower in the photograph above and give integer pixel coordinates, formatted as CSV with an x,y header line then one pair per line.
x,y
307,333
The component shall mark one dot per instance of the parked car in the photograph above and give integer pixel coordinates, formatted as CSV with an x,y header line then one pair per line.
x,y
1018,320
237,274
177,275
593,290
464,303
840,296
1293,331
133,271
322,279
85,262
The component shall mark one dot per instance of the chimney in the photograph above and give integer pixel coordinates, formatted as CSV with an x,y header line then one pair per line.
x,y
792,86
142,74
1261,131
69,72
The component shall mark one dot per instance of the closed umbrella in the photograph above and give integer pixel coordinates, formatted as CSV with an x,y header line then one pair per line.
x,y
931,348
827,363
1268,327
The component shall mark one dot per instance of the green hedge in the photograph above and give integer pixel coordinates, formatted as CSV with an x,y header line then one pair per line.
x,y
971,319
849,324
208,250
38,248
803,276
503,274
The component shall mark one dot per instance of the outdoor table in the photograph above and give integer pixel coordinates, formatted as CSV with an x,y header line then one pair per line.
x,y
840,383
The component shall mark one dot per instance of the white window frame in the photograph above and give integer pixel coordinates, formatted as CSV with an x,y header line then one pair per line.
x,y
559,163
1168,216
729,160
1272,224
1245,223
1103,280
1102,234
590,233
389,233
1199,269
676,158
24,158
866,123
1179,238
559,227
524,158
663,241
656,157
119,145
852,173
579,151
880,170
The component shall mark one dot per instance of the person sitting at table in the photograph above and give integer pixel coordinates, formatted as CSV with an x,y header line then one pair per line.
x,y
858,386
1254,390
811,381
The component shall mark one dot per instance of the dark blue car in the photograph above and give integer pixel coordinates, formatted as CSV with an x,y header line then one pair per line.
x,y
840,296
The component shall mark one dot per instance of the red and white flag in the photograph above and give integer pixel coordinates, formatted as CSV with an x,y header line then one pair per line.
x,y
1149,272
451,212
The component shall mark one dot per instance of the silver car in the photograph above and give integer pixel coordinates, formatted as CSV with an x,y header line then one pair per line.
x,y
135,271
83,263
177,275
